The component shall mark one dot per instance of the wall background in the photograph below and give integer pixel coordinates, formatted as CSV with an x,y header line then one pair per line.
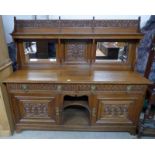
x,y
8,21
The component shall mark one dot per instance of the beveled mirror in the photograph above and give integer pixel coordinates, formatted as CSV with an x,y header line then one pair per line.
x,y
111,51
40,50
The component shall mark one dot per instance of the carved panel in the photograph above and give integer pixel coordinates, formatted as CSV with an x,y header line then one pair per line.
x,y
75,51
35,110
113,111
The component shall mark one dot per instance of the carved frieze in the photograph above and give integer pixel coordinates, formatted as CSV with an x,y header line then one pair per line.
x,y
32,86
76,87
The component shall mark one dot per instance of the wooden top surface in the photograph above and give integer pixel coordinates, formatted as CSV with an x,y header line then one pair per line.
x,y
77,76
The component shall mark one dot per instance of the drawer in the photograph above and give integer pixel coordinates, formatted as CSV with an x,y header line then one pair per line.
x,y
69,87
26,87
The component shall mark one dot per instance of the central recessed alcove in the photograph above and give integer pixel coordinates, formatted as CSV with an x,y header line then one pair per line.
x,y
76,110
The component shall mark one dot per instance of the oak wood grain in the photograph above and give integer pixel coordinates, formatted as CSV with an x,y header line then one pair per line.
x,y
76,76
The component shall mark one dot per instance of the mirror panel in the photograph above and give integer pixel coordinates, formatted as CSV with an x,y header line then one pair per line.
x,y
112,51
40,50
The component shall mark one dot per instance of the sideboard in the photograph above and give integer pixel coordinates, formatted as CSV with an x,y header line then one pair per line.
x,y
65,82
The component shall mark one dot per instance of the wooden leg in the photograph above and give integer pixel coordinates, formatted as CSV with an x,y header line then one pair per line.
x,y
18,130
140,130
133,132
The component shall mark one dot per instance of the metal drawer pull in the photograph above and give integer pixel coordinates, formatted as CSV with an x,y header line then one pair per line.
x,y
93,87
24,87
129,88
59,88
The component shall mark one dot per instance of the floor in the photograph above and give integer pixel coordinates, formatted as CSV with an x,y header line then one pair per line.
x,y
71,135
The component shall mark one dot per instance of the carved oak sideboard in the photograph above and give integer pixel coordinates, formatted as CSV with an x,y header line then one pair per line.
x,y
68,79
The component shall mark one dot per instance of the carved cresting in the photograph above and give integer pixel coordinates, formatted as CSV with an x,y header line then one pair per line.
x,y
75,51
75,23
35,110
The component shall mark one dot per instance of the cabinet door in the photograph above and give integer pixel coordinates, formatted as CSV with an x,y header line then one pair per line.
x,y
117,109
36,108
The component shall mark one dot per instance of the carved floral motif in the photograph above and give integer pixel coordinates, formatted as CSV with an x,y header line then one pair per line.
x,y
113,110
75,51
35,110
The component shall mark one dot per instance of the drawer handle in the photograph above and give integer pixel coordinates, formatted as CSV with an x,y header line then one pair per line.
x,y
59,88
93,88
24,87
129,88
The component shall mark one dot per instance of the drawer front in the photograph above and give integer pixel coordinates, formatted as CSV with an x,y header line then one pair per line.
x,y
117,109
36,108
75,88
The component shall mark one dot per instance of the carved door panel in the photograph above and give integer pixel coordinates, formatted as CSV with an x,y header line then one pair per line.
x,y
36,108
116,109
